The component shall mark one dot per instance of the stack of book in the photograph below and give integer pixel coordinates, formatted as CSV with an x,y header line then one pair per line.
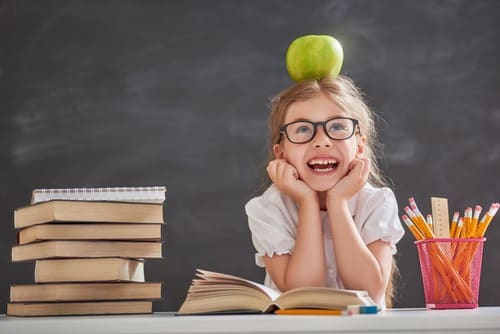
x,y
89,246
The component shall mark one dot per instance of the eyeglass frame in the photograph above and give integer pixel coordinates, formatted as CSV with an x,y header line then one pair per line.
x,y
315,125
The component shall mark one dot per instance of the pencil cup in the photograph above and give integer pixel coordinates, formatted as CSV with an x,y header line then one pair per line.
x,y
451,271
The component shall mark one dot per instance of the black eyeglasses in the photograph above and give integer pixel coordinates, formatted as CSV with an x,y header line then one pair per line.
x,y
338,128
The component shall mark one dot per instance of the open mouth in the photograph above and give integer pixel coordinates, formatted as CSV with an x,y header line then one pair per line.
x,y
323,165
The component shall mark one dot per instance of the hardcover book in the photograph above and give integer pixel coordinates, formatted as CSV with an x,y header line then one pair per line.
x,y
113,269
87,211
61,292
82,249
79,308
90,231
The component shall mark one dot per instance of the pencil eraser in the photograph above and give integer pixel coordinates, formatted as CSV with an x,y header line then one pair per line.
x,y
352,309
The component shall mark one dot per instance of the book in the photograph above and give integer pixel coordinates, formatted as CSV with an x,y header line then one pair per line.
x,y
79,308
213,292
154,194
60,292
81,249
85,211
90,231
89,270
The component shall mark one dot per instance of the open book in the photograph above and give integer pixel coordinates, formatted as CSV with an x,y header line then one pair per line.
x,y
213,292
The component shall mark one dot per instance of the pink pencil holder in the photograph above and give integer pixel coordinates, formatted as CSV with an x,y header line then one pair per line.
x,y
451,271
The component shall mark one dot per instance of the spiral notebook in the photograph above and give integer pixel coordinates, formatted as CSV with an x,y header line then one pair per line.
x,y
155,194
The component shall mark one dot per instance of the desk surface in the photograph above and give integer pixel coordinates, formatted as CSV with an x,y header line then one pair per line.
x,y
481,320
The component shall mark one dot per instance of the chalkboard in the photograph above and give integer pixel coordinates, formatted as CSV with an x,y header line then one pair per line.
x,y
176,93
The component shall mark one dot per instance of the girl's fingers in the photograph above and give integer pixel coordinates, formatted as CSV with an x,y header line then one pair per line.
x,y
272,170
366,168
281,173
279,170
290,172
363,168
360,167
282,169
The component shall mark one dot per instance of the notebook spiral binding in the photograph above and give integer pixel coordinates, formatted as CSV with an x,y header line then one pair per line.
x,y
149,194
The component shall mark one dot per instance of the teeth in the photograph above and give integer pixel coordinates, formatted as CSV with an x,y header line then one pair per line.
x,y
324,170
323,165
322,162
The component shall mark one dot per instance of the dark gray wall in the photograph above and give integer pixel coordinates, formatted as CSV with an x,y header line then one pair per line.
x,y
110,93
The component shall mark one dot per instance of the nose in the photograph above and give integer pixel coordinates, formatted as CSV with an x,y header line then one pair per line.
x,y
321,139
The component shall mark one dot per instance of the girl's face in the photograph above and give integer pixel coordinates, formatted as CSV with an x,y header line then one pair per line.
x,y
323,161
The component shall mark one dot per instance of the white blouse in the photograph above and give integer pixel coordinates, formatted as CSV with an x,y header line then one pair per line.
x,y
273,218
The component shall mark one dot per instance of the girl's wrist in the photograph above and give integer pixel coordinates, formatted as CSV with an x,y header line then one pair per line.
x,y
309,200
336,202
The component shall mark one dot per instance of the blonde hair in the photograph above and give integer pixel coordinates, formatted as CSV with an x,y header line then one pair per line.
x,y
350,99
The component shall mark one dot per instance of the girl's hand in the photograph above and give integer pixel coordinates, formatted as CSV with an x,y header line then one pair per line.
x,y
286,178
353,181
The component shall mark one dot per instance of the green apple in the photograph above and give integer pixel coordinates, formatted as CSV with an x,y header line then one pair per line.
x,y
314,57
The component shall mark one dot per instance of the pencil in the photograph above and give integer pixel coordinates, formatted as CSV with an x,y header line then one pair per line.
x,y
420,221
460,226
429,221
414,220
475,218
467,220
486,220
308,311
413,229
454,223
463,229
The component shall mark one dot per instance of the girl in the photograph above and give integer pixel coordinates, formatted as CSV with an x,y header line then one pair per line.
x,y
327,219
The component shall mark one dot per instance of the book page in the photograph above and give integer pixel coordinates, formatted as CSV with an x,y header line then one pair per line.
x,y
323,298
272,293
231,279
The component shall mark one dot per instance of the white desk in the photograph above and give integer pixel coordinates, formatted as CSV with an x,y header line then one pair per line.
x,y
481,320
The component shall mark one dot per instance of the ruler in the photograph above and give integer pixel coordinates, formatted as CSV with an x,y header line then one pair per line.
x,y
440,217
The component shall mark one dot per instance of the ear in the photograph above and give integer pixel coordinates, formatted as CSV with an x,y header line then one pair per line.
x,y
278,151
360,146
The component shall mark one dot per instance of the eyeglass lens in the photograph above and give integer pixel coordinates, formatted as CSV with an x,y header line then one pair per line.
x,y
304,131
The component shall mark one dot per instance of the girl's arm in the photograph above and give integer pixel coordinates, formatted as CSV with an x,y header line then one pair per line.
x,y
360,266
306,265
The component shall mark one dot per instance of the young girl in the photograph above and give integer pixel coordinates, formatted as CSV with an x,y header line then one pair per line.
x,y
327,219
